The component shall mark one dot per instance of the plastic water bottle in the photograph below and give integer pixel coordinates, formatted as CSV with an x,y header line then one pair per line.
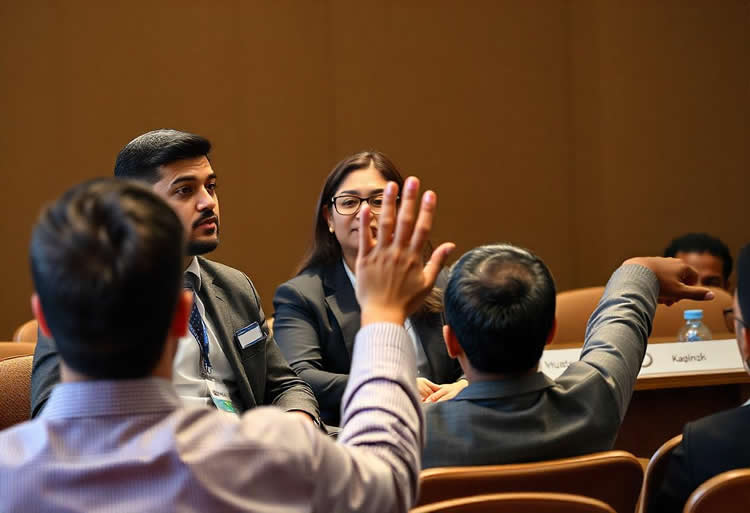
x,y
694,330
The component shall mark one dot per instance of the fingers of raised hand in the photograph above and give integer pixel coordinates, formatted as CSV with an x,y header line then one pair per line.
x,y
423,225
437,261
365,236
407,212
696,293
688,275
387,216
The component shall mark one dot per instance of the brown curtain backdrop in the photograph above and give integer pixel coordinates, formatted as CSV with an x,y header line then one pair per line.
x,y
587,131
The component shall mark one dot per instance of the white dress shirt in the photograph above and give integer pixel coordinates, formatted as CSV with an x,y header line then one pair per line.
x,y
187,378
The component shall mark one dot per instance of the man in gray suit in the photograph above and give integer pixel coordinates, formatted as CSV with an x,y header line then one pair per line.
x,y
500,313
229,358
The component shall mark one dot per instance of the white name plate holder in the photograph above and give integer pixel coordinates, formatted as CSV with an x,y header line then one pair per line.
x,y
712,356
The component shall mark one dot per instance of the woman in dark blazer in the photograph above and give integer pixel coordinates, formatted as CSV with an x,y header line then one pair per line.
x,y
317,314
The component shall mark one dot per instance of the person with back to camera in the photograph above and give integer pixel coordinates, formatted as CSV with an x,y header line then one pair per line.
x,y
107,265
317,314
500,314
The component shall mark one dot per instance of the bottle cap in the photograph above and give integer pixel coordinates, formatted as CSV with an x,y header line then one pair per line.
x,y
693,314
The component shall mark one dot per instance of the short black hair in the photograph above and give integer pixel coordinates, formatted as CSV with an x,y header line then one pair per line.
x,y
500,302
140,158
106,260
702,243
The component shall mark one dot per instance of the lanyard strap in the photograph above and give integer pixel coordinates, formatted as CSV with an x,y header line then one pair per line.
x,y
199,330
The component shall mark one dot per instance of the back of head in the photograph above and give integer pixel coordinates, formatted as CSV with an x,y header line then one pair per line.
x,y
106,264
140,158
702,243
500,302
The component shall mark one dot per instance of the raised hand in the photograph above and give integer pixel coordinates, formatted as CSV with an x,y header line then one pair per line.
x,y
676,279
392,280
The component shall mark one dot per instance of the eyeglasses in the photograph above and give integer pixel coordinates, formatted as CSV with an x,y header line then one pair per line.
x,y
349,205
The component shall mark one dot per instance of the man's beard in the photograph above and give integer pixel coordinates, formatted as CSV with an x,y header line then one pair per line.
x,y
195,247
202,247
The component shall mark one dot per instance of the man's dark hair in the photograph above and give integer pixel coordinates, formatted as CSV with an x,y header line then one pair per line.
x,y
702,243
500,302
140,158
106,260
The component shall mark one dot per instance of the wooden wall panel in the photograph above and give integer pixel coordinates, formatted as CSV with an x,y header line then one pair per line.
x,y
587,131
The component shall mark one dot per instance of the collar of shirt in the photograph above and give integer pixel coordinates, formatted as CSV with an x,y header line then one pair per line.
x,y
350,274
509,387
111,397
195,269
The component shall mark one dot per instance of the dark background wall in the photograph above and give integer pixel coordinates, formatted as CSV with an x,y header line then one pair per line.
x,y
587,131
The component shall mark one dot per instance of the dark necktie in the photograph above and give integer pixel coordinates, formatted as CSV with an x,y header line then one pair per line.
x,y
196,326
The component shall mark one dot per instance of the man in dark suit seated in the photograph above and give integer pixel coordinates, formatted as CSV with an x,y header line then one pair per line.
x,y
500,313
719,442
228,359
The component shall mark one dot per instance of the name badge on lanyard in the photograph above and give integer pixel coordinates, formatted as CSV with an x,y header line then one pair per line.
x,y
220,396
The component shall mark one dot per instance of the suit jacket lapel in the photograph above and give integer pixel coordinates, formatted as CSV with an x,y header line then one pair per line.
x,y
226,325
342,301
432,341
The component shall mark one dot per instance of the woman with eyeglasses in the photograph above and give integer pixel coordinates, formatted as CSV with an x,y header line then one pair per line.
x,y
316,313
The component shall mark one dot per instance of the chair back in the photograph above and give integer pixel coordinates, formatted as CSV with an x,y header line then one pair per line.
x,y
26,332
613,477
8,349
655,472
573,309
728,492
669,319
532,502
15,390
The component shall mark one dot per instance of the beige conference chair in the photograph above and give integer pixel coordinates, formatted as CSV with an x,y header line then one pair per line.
x,y
728,492
26,332
613,477
8,349
15,389
574,307
655,472
528,502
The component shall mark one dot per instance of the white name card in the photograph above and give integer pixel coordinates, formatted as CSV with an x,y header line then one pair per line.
x,y
662,359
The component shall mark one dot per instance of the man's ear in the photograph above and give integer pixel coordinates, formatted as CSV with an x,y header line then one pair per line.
x,y
36,307
179,325
451,342
552,332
